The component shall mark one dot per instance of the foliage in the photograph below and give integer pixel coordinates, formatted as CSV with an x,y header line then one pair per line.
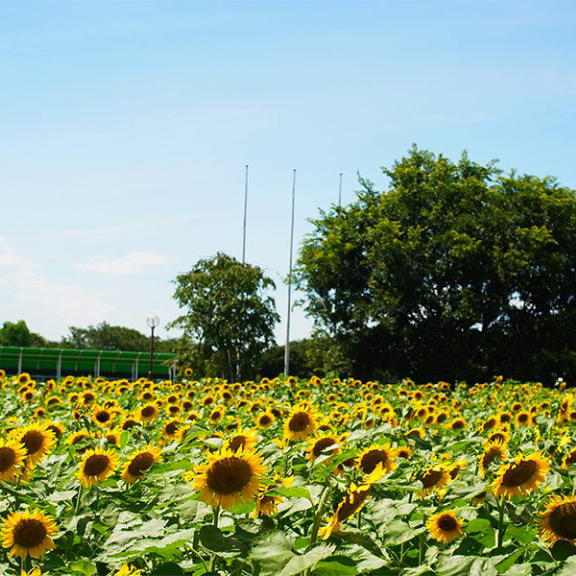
x,y
18,334
161,525
107,337
455,271
272,360
227,314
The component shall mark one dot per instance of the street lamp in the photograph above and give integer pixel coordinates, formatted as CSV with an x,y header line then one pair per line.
x,y
152,322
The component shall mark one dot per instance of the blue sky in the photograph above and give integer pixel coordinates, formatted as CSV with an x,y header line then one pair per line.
x,y
126,126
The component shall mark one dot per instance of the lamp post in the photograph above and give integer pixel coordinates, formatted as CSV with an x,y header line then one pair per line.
x,y
152,322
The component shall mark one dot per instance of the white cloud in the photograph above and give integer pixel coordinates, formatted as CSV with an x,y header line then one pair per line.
x,y
130,264
45,303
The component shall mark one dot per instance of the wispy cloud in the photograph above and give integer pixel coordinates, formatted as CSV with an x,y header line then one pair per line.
x,y
27,292
114,230
130,264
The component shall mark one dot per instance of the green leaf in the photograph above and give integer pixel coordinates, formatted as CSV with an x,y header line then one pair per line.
x,y
272,552
298,564
336,566
213,539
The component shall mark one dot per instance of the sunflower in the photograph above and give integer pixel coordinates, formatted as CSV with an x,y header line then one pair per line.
x,y
28,533
352,502
229,477
113,436
217,414
34,572
243,440
37,440
78,437
433,478
267,502
96,466
56,427
404,452
492,451
558,521
129,421
445,526
522,475
128,570
12,456
369,458
139,463
170,428
301,423
320,445
265,420
101,416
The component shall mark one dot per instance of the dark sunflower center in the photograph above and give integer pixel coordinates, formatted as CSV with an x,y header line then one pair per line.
x,y
447,523
299,422
148,411
33,440
229,475
403,454
522,417
88,397
7,458
431,478
490,455
237,442
497,437
352,503
265,420
441,417
129,424
111,439
103,416
519,473
571,458
55,429
173,409
29,533
140,464
171,428
96,464
371,459
215,415
457,425
79,438
322,444
563,521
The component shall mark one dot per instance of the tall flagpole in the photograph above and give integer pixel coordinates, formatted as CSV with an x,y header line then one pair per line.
x,y
245,211
287,347
340,191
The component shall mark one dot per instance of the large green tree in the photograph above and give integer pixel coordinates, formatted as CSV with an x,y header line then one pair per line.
x,y
229,315
456,270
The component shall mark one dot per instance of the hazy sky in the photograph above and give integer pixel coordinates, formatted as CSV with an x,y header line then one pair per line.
x,y
126,126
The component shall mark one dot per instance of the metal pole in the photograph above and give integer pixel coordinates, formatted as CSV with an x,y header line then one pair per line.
x,y
287,347
340,191
151,353
245,211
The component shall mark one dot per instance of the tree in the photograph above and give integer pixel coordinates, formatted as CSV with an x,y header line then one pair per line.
x,y
272,360
107,337
15,334
455,271
228,315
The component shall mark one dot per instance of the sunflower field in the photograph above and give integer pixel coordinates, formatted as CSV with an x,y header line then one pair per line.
x,y
285,476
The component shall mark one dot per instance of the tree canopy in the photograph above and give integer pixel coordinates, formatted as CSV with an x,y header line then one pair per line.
x,y
457,270
228,318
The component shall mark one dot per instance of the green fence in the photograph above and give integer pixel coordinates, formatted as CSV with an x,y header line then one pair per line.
x,y
56,362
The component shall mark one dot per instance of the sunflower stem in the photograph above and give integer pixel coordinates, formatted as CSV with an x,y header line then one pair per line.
x,y
78,499
216,514
318,516
501,508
